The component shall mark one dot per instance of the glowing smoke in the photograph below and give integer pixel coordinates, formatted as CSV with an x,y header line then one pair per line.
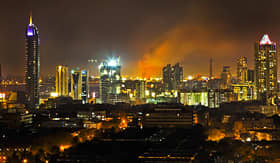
x,y
182,44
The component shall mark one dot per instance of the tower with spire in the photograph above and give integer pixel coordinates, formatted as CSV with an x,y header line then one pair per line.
x,y
32,65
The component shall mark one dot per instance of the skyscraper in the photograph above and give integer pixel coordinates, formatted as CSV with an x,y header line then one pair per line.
x,y
32,65
76,84
79,85
242,70
172,76
110,80
166,76
226,78
85,87
266,69
62,79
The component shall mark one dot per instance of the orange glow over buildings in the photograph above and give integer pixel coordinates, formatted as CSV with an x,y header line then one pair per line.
x,y
123,124
215,135
63,147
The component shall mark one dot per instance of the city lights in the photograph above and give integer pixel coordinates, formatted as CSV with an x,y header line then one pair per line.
x,y
186,90
112,62
54,94
2,95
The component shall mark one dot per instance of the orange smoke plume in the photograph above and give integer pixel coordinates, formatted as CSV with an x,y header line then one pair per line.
x,y
178,45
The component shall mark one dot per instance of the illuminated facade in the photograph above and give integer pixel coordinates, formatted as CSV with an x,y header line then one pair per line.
x,y
266,69
62,79
172,76
244,92
76,84
110,80
213,98
242,70
194,98
218,96
79,85
85,87
32,65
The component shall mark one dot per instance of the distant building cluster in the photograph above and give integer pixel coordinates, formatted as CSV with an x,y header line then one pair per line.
x,y
75,85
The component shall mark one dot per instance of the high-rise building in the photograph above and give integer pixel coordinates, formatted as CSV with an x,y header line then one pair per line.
x,y
166,77
172,76
62,79
32,65
242,70
266,69
110,80
226,78
85,87
140,89
79,85
76,84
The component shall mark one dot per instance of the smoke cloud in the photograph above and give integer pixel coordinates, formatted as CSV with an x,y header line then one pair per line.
x,y
186,44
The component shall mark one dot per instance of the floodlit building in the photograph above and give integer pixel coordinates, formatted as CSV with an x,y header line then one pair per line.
x,y
218,96
266,69
110,80
32,65
244,92
194,98
242,70
62,80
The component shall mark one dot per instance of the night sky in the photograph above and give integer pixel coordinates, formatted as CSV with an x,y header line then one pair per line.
x,y
146,34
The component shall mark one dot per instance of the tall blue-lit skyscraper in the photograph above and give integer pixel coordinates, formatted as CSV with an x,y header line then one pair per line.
x,y
32,65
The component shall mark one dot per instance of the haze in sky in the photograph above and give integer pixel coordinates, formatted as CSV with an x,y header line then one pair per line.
x,y
146,35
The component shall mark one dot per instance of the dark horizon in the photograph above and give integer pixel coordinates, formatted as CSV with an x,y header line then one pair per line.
x,y
147,35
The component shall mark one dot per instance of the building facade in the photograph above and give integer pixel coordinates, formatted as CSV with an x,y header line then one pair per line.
x,y
85,87
266,69
244,92
172,76
242,70
62,79
110,80
76,84
79,85
226,78
32,65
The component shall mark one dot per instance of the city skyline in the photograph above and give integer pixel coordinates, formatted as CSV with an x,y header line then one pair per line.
x,y
72,38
